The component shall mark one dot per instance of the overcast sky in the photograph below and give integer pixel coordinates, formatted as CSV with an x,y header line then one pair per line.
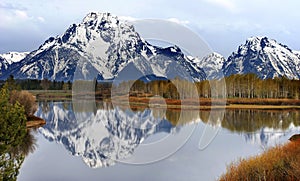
x,y
223,24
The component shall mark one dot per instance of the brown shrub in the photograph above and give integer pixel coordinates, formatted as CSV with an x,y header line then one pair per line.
x,y
26,99
278,163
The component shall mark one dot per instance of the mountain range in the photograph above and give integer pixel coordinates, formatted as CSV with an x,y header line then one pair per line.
x,y
103,46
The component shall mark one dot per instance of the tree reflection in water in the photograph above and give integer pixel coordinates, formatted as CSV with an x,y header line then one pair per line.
x,y
12,158
252,120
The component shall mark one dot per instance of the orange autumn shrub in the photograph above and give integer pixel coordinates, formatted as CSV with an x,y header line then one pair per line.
x,y
277,163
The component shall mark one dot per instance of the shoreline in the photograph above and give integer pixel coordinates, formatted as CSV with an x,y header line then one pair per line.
x,y
217,107
213,104
35,122
189,104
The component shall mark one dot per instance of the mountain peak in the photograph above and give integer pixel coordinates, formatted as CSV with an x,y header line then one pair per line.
x,y
256,38
259,39
95,15
96,18
212,65
258,43
264,57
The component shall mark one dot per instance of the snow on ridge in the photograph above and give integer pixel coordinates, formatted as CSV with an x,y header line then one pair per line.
x,y
13,57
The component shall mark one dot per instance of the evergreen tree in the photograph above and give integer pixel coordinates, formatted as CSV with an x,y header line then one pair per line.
x,y
12,134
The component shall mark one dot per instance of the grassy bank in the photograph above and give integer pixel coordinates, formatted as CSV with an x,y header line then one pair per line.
x,y
206,104
278,163
53,95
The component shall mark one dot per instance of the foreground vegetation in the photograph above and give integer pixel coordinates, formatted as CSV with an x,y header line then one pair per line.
x,y
17,108
278,163
16,141
27,101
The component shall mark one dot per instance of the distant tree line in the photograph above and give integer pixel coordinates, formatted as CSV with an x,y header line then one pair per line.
x,y
35,84
250,86
237,86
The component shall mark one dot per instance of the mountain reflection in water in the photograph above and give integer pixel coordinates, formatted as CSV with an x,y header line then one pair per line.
x,y
102,134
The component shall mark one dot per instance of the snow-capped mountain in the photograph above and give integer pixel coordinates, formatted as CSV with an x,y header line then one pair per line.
x,y
101,46
100,136
105,47
265,58
7,59
212,65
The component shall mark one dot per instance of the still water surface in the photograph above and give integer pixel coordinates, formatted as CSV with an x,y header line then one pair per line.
x,y
101,142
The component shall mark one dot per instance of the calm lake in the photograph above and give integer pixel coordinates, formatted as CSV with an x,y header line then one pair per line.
x,y
103,142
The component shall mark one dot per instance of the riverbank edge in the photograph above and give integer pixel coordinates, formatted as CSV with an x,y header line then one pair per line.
x,y
35,122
